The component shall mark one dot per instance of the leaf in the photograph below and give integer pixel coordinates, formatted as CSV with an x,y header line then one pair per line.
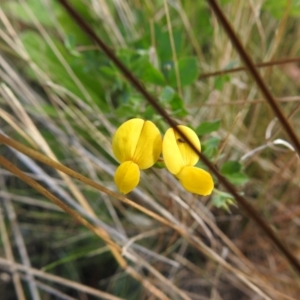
x,y
210,146
238,178
177,106
188,72
230,167
232,171
278,8
18,11
42,54
167,94
220,81
208,127
222,200
152,75
163,46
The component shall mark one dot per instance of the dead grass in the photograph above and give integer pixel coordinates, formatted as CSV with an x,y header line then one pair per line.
x,y
160,242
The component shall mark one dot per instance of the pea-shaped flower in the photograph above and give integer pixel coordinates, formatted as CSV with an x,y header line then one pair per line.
x,y
180,159
136,145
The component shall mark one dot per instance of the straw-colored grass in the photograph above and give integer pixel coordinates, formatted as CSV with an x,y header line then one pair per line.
x,y
58,112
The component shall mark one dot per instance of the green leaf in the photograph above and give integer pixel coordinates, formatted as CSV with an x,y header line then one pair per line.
x,y
222,200
167,94
231,167
238,178
277,8
42,54
210,147
232,171
177,106
125,111
220,81
188,72
18,11
152,75
163,46
208,127
109,72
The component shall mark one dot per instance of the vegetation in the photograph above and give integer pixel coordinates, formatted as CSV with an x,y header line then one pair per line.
x,y
61,96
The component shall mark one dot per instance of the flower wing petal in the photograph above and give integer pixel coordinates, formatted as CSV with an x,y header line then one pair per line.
x,y
196,180
126,139
171,153
149,145
127,176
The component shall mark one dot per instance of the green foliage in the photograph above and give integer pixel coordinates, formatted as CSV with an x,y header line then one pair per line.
x,y
138,62
169,96
45,57
232,170
163,45
19,11
188,72
222,200
210,147
278,8
220,81
208,127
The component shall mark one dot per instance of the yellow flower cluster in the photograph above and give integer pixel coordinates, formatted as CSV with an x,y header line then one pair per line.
x,y
137,144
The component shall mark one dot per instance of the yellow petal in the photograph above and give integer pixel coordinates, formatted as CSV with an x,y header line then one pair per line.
x,y
126,138
149,145
127,176
139,141
176,152
196,180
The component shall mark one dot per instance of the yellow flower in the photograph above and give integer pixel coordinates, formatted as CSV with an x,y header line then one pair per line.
x,y
137,145
180,159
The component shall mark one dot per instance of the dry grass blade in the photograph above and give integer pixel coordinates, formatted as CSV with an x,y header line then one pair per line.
x,y
116,250
60,280
136,83
9,254
19,242
193,240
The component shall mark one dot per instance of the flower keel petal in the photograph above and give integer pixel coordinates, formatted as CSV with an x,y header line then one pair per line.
x,y
127,176
176,152
196,180
148,147
189,156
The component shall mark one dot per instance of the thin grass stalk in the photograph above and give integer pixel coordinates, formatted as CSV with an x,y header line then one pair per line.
x,y
10,256
20,244
251,211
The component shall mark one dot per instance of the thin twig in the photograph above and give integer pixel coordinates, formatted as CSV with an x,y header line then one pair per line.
x,y
270,63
